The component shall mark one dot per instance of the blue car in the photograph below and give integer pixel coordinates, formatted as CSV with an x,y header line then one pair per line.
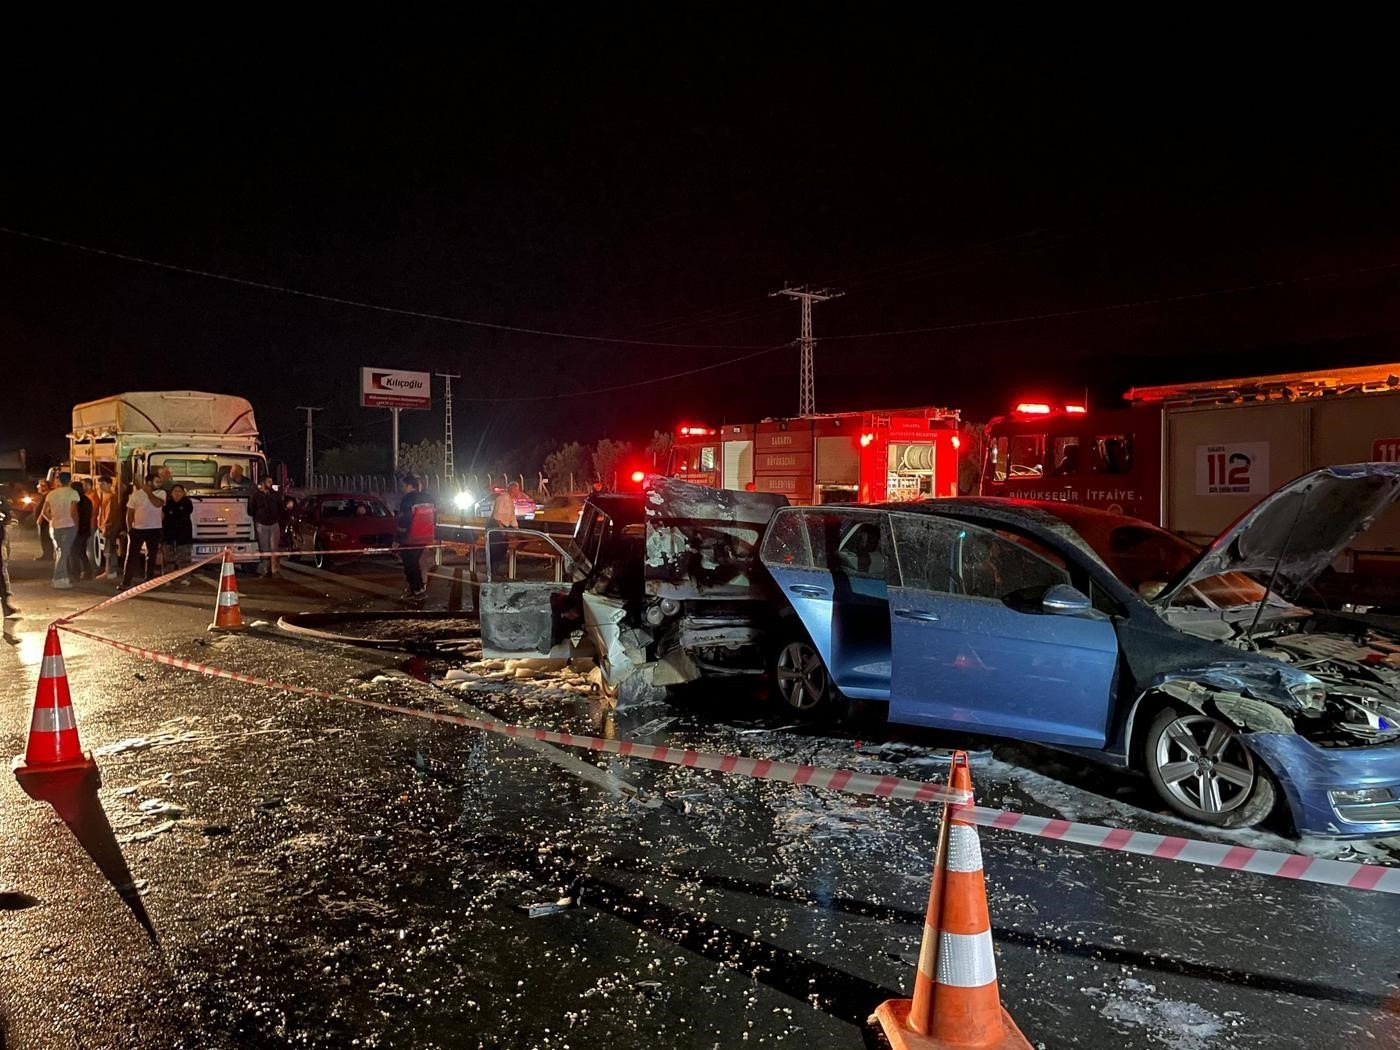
x,y
1110,638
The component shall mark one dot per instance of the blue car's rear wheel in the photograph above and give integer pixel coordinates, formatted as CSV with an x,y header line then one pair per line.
x,y
1202,769
800,677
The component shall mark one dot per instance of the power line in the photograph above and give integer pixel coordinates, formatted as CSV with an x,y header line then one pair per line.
x,y
1108,307
629,386
360,304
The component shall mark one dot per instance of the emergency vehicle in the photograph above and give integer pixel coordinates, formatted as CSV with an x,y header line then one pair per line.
x,y
1193,457
847,457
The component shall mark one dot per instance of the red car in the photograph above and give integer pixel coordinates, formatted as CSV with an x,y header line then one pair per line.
x,y
329,522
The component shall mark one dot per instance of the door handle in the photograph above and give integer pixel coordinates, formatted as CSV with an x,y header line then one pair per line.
x,y
807,590
917,614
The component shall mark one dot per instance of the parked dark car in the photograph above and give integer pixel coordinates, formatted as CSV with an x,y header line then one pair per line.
x,y
330,522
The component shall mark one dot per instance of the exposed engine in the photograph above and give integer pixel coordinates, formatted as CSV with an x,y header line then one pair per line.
x,y
1361,673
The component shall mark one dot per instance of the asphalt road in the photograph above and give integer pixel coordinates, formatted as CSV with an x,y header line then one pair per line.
x,y
323,875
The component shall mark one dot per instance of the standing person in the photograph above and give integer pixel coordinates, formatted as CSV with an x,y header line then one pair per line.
x,y
7,520
108,526
177,528
266,508
41,495
165,480
502,517
416,528
58,511
79,561
143,527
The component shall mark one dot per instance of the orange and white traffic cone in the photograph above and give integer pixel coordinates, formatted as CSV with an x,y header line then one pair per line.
x,y
53,731
55,769
956,1001
227,615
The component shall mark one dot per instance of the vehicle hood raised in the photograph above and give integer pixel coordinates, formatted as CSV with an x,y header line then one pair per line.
x,y
703,542
1300,527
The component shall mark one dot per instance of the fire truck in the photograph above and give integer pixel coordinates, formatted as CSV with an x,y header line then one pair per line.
x,y
1193,457
846,457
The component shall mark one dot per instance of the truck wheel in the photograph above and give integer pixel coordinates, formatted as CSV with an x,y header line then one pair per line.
x,y
1202,769
320,559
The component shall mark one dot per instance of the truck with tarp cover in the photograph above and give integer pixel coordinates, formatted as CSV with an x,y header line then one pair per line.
x,y
200,437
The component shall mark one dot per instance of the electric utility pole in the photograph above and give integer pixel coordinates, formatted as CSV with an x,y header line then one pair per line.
x,y
807,396
447,466
310,444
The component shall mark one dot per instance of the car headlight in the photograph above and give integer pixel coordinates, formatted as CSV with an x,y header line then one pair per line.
x,y
1360,796
28,500
464,501
1309,692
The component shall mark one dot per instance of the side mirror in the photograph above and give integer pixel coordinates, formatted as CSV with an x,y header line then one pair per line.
x,y
1064,600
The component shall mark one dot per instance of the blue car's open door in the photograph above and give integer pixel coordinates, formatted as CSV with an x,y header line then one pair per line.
x,y
830,562
974,646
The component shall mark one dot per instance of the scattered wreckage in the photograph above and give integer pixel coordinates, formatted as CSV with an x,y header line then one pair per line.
x,y
660,588
1083,630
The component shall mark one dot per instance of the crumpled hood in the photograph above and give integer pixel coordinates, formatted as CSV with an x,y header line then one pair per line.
x,y
1308,522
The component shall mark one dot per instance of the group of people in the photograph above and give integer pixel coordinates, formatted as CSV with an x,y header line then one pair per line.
x,y
157,516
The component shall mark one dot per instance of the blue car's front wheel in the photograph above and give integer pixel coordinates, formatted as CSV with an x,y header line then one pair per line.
x,y
1202,769
800,677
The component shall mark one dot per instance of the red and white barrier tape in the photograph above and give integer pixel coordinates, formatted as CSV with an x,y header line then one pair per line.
x,y
1163,847
763,769
1192,851
139,589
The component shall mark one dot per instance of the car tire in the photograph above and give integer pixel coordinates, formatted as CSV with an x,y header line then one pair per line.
x,y
1202,769
801,683
319,558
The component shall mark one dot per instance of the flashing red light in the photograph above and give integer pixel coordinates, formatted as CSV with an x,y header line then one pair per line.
x,y
957,441
1033,408
866,439
1075,410
688,431
639,476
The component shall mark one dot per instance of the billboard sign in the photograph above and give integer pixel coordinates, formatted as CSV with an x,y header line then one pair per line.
x,y
1240,468
395,388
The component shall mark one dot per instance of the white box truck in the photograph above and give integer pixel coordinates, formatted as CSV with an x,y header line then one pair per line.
x,y
201,437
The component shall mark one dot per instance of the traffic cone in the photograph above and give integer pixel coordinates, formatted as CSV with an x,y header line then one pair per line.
x,y
55,769
53,731
956,1001
227,615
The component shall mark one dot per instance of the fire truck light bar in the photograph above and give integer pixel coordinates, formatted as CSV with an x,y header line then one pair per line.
x,y
696,431
1033,408
1075,410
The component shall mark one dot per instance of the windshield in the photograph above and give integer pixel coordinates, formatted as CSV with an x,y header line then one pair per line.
x,y
210,470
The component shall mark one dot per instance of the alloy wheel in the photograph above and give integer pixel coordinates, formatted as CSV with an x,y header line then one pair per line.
x,y
1204,765
801,676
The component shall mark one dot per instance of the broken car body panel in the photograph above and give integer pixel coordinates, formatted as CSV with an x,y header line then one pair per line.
x,y
662,587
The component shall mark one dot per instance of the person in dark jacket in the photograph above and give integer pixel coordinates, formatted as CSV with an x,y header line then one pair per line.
x,y
7,520
80,565
177,530
266,508
416,528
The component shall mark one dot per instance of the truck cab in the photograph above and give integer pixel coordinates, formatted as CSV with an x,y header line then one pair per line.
x,y
209,442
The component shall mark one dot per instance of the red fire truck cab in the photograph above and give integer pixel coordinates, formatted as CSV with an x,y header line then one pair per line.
x,y
848,457
1110,459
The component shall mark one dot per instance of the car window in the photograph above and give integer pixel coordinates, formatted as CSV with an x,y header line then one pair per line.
x,y
1065,457
936,554
1027,458
785,543
1113,454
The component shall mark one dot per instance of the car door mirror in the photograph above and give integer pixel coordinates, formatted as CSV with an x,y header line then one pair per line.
x,y
1063,600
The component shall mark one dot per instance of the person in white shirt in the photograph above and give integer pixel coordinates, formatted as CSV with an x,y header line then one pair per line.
x,y
144,521
59,511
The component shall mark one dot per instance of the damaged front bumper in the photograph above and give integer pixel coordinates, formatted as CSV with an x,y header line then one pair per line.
x,y
1345,792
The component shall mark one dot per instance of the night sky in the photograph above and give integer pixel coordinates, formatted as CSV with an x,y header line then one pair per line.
x,y
656,182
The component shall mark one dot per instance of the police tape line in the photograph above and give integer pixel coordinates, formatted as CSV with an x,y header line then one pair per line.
x,y
139,589
1292,866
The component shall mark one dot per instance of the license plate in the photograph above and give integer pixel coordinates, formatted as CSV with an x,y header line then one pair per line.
x,y
207,550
